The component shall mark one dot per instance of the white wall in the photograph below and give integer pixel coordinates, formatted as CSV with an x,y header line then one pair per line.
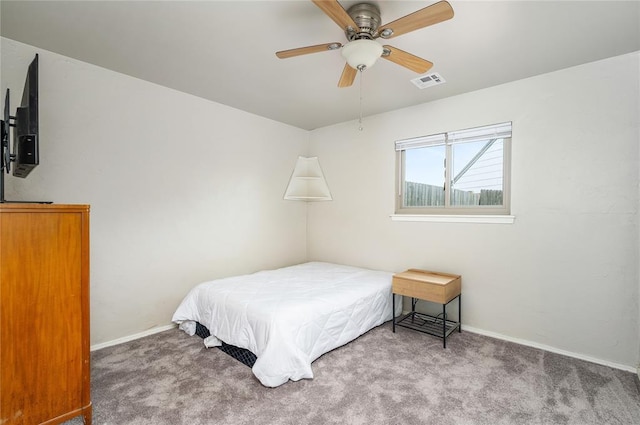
x,y
181,189
565,274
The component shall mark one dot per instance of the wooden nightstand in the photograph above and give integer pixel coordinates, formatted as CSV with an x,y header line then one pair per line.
x,y
441,288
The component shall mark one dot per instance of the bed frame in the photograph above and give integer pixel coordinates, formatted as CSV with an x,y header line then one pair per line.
x,y
243,355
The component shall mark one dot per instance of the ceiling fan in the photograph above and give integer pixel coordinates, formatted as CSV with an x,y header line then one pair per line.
x,y
361,25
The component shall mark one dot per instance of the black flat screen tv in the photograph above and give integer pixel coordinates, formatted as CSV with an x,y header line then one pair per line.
x,y
26,149
25,140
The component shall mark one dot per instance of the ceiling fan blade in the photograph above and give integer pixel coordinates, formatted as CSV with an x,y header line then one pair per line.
x,y
430,15
335,11
348,76
306,50
407,60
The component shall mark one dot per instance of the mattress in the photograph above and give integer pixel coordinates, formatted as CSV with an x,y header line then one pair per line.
x,y
289,317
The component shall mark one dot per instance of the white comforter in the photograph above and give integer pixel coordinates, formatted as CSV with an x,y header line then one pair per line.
x,y
291,316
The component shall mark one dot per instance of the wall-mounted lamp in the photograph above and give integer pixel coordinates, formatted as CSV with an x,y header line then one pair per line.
x,y
307,182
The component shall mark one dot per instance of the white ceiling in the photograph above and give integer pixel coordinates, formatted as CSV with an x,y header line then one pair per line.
x,y
225,50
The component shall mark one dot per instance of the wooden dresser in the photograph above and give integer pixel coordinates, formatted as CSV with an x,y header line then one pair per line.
x,y
44,314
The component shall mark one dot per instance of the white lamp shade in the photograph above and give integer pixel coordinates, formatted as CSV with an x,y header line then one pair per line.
x,y
362,52
307,182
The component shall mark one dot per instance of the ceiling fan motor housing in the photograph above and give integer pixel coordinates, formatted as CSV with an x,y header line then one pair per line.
x,y
367,17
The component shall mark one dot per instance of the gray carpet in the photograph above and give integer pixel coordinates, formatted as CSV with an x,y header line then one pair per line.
x,y
380,378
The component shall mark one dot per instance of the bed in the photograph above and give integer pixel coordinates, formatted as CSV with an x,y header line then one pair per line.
x,y
290,316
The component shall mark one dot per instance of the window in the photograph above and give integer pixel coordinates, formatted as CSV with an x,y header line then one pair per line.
x,y
459,172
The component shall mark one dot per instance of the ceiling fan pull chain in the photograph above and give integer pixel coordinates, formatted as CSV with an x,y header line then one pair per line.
x,y
360,120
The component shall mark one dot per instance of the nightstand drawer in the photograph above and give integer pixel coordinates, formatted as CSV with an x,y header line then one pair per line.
x,y
427,285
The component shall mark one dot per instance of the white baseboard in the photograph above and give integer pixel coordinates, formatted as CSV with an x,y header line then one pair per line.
x,y
552,349
132,337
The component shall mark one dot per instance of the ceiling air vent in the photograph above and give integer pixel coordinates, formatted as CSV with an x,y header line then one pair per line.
x,y
431,79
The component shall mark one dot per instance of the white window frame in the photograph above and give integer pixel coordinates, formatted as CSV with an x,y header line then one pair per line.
x,y
464,213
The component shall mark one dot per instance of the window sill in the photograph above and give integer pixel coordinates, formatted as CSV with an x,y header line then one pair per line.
x,y
452,218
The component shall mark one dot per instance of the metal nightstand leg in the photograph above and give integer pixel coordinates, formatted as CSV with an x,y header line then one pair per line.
x,y
444,326
459,313
393,311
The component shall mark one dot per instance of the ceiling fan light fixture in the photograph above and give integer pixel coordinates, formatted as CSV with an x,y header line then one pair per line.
x,y
361,54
